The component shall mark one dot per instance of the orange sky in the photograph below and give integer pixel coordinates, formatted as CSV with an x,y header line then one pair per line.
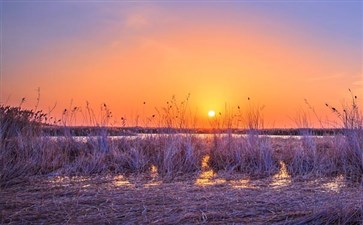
x,y
148,53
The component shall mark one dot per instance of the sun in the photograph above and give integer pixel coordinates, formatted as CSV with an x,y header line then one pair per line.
x,y
211,113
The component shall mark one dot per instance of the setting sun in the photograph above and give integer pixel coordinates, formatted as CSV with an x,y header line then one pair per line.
x,y
211,113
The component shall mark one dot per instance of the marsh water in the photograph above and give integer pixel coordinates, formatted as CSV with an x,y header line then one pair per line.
x,y
202,136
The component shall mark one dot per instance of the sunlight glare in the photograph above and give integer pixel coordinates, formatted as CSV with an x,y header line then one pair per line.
x,y
211,113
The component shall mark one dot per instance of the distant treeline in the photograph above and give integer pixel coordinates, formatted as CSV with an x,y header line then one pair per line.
x,y
132,131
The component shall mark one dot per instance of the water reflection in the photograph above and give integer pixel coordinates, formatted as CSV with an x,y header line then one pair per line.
x,y
154,175
202,136
242,183
281,179
120,181
207,175
335,184
66,181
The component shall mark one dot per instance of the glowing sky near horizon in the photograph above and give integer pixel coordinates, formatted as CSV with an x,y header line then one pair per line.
x,y
277,53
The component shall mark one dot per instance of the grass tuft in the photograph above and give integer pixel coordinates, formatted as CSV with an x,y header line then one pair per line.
x,y
250,155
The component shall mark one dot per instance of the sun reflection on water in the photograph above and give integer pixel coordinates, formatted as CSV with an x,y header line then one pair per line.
x,y
206,176
281,179
154,176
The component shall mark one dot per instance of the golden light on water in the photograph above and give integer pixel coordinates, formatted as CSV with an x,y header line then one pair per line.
x,y
120,181
335,184
281,179
206,176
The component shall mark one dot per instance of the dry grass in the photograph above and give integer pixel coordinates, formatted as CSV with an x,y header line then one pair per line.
x,y
329,156
167,180
251,155
147,200
176,155
177,179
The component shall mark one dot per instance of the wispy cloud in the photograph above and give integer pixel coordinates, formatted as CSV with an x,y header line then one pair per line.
x,y
329,77
137,21
141,17
358,83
